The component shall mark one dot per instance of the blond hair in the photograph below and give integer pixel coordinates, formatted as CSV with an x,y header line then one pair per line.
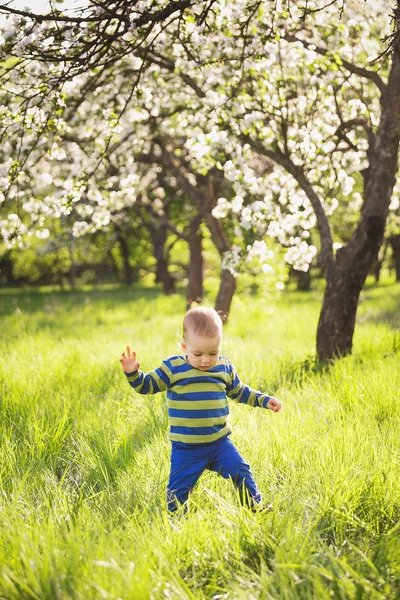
x,y
202,321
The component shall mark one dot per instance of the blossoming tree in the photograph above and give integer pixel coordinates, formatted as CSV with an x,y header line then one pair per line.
x,y
311,102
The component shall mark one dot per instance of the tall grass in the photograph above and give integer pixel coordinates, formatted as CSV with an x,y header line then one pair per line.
x,y
84,460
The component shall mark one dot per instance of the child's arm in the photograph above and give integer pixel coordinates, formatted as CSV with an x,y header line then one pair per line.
x,y
144,383
242,393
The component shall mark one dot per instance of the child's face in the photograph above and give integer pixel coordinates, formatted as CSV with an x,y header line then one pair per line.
x,y
202,352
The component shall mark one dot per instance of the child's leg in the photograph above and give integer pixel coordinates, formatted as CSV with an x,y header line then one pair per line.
x,y
229,463
187,464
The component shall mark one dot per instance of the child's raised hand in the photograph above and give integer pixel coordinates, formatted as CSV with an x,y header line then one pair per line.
x,y
129,362
274,404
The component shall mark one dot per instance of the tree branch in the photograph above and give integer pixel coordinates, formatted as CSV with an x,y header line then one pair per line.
x,y
346,125
299,175
203,198
55,17
58,17
363,72
169,65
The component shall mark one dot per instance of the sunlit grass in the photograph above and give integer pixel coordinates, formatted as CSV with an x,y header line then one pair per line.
x,y
84,460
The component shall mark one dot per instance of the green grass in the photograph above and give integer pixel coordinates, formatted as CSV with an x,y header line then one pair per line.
x,y
84,460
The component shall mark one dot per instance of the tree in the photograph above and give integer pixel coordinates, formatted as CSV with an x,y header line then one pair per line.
x,y
325,137
45,52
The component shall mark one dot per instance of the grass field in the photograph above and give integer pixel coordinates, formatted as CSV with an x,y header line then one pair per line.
x,y
84,460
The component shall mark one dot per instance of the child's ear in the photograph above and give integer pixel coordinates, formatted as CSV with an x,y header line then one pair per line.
x,y
183,346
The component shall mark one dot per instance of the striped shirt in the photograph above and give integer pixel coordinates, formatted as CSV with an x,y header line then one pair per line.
x,y
197,400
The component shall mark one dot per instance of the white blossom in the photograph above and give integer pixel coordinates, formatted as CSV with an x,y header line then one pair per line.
x,y
300,256
43,234
221,210
80,228
231,260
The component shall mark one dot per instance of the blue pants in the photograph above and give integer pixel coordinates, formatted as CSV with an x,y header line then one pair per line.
x,y
188,462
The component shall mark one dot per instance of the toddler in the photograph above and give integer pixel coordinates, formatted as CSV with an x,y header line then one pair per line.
x,y
198,384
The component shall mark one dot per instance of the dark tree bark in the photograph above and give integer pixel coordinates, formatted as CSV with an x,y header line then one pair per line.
x,y
347,274
303,279
123,244
395,243
6,269
72,271
163,275
225,294
378,263
158,227
158,233
194,292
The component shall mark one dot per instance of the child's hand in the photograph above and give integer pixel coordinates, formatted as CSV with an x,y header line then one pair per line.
x,y
129,362
274,404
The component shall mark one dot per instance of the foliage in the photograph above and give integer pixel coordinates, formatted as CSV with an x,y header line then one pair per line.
x,y
66,260
233,87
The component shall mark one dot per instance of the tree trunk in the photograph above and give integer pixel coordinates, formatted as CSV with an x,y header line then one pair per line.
x,y
194,292
6,269
158,233
163,276
227,285
159,237
346,276
128,274
395,243
225,294
72,270
338,314
303,279
378,262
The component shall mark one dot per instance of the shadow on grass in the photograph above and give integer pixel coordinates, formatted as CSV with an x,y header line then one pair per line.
x,y
369,519
391,318
108,462
380,305
50,301
85,466
296,373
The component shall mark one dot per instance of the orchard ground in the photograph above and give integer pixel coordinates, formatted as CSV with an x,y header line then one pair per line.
x,y
84,460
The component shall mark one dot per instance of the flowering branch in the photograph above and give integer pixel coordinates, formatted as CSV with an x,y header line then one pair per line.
x,y
299,175
362,71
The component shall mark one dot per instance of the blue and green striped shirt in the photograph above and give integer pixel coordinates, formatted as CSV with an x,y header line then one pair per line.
x,y
197,400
